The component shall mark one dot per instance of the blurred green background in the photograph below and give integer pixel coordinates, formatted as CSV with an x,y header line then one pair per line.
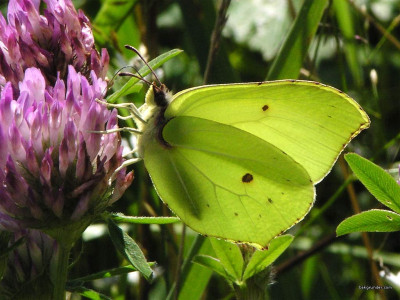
x,y
351,45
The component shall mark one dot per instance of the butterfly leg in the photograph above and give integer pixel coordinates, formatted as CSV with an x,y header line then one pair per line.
x,y
130,152
123,165
128,129
129,106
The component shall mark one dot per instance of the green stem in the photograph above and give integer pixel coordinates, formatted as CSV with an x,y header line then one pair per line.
x,y
255,287
61,271
251,290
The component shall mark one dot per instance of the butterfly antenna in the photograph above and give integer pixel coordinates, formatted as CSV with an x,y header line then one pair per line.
x,y
136,76
110,82
137,71
146,63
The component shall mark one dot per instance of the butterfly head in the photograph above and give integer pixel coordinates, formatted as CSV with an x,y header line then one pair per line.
x,y
158,96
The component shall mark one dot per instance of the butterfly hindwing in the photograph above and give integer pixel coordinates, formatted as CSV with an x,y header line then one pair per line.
x,y
225,182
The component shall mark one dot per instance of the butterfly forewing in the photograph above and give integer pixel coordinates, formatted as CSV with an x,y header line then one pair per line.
x,y
311,122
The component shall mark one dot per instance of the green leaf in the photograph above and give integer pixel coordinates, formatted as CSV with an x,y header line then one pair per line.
x,y
290,58
375,220
154,64
111,15
263,258
230,257
376,180
88,293
144,220
105,274
129,249
214,264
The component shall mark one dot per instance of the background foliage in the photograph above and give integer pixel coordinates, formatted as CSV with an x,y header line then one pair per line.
x,y
351,45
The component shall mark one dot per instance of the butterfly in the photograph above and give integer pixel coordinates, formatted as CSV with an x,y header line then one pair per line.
x,y
240,161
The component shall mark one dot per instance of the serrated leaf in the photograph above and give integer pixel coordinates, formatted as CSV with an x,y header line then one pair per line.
x,y
374,220
263,258
376,180
154,64
229,256
213,264
129,249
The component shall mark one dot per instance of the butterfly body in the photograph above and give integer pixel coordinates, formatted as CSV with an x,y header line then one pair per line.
x,y
240,161
152,112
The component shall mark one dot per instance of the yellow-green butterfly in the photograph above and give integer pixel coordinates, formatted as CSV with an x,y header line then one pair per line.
x,y
240,161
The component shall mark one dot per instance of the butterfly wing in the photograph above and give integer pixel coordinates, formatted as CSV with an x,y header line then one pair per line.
x,y
225,182
309,121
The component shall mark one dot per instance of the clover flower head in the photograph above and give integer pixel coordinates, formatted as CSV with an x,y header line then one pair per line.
x,y
55,167
50,41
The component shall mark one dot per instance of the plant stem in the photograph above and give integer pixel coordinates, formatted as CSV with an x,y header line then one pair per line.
x,y
216,36
251,290
61,270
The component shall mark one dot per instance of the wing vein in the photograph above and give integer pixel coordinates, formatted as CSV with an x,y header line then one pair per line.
x,y
182,182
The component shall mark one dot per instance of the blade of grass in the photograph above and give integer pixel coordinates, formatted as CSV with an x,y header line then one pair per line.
x,y
345,21
291,56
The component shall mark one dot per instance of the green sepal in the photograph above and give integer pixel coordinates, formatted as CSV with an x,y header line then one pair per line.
x,y
263,258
